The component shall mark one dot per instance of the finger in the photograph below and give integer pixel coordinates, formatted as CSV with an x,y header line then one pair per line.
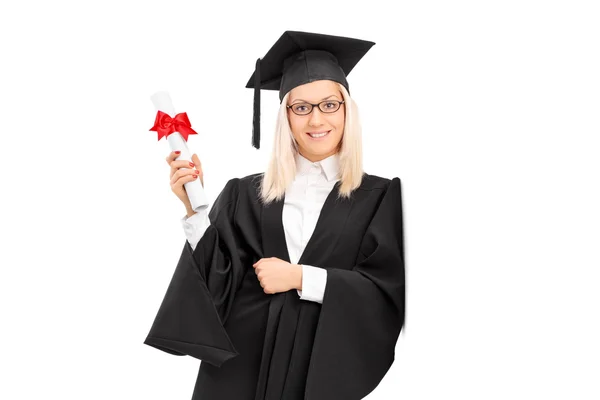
x,y
258,262
180,164
186,174
183,164
175,187
183,172
198,165
172,156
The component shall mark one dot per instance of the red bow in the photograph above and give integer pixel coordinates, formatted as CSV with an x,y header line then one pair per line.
x,y
165,125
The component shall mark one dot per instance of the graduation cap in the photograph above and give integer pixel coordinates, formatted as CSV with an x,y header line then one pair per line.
x,y
302,57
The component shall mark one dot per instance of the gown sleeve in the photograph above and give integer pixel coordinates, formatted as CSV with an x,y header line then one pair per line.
x,y
191,317
363,311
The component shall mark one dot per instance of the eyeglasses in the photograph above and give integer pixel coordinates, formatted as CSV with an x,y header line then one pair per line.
x,y
327,106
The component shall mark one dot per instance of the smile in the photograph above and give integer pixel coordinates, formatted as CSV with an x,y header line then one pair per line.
x,y
318,135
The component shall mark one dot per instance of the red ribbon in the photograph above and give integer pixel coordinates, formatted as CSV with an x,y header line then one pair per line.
x,y
165,125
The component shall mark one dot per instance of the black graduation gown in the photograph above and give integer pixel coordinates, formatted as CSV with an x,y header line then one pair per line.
x,y
258,346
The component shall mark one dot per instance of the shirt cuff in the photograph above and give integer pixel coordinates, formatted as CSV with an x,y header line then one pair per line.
x,y
195,226
314,280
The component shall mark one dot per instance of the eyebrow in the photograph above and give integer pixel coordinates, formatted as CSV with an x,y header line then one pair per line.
x,y
325,98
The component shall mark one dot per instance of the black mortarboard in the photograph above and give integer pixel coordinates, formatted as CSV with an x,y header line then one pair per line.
x,y
302,57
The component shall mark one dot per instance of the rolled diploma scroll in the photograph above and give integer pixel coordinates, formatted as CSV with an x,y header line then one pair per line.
x,y
194,189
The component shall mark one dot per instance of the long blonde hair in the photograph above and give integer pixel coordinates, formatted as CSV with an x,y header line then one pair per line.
x,y
281,170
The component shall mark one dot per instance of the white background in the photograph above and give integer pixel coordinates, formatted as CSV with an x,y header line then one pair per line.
x,y
487,111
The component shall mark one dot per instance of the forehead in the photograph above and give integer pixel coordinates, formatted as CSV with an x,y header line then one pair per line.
x,y
315,91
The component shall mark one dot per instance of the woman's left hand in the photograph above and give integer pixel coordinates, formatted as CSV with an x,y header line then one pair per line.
x,y
276,275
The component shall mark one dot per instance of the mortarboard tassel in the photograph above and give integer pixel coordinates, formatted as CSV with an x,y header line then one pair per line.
x,y
256,119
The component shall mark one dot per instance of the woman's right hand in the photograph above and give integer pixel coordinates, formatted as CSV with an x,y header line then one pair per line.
x,y
182,172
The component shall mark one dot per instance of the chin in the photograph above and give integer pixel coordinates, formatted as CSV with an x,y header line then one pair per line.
x,y
319,150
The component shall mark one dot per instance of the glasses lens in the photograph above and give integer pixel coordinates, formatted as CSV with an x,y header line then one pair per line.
x,y
329,106
301,108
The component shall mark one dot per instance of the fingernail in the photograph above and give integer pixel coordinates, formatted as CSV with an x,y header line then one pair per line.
x,y
195,176
197,171
191,164
177,152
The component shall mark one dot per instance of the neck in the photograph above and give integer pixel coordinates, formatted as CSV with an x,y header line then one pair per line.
x,y
315,157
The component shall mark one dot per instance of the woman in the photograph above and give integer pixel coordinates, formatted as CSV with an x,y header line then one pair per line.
x,y
293,288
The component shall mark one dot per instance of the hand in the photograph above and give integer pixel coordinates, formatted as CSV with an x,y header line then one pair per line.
x,y
276,275
182,172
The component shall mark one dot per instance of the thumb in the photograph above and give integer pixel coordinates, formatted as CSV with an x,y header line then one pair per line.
x,y
198,165
196,160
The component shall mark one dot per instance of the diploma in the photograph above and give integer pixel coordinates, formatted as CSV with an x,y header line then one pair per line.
x,y
176,128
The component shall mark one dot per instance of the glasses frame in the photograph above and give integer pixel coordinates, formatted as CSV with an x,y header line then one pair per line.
x,y
318,105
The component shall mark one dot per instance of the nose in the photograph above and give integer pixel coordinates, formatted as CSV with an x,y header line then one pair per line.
x,y
316,117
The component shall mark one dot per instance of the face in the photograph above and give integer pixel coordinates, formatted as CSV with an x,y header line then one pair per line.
x,y
317,149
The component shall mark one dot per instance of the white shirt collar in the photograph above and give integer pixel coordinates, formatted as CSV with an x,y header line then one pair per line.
x,y
330,165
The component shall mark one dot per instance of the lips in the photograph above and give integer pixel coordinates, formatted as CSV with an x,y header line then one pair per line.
x,y
318,132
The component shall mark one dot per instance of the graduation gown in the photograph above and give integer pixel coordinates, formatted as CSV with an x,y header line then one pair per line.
x,y
258,346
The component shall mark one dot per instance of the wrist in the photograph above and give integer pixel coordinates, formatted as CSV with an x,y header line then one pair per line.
x,y
299,276
189,212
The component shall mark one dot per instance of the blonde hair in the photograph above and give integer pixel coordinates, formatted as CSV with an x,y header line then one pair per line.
x,y
281,170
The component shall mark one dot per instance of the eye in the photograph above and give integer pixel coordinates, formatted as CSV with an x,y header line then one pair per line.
x,y
330,105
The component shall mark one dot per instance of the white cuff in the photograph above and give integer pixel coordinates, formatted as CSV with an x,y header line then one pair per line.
x,y
314,280
195,226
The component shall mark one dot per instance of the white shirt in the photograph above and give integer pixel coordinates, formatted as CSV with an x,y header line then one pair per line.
x,y
304,199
